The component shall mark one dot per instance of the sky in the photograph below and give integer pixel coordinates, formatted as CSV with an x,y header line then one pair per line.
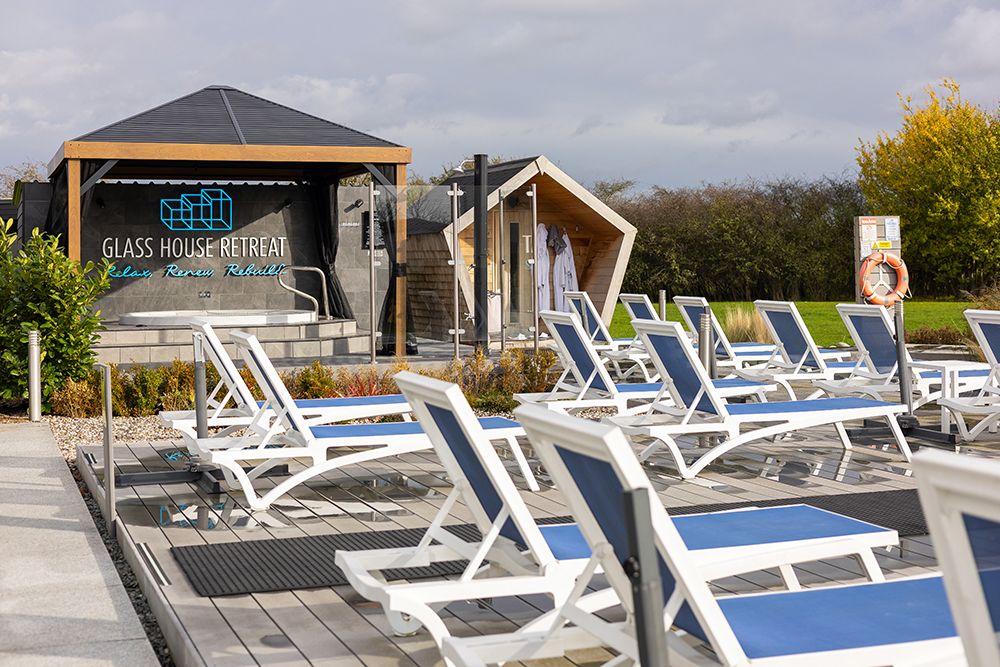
x,y
663,93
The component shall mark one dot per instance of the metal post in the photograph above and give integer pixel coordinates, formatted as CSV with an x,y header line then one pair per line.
x,y
663,305
501,263
200,387
456,331
903,368
373,334
109,456
533,193
644,573
34,376
480,234
713,358
705,341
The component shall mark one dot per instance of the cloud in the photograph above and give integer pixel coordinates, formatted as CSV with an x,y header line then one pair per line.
x,y
973,39
723,112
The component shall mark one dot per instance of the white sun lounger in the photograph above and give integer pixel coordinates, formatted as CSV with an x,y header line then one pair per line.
x,y
692,308
796,356
983,405
698,408
290,436
586,383
233,391
961,500
638,307
597,333
873,332
528,558
904,621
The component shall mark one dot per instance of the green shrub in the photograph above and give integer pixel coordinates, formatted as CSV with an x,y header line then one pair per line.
x,y
139,391
43,289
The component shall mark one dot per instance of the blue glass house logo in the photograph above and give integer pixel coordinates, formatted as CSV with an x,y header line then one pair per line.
x,y
208,210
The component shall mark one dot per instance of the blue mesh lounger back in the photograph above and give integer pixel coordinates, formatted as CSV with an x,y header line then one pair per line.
x,y
589,318
877,340
577,350
791,337
471,466
684,376
991,332
694,313
984,538
641,311
605,498
275,394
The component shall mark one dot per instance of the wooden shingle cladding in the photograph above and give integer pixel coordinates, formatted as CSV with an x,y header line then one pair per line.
x,y
602,240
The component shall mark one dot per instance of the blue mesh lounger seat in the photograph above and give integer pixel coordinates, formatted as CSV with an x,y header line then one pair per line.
x,y
530,558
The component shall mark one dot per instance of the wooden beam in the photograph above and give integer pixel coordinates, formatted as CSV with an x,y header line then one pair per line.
x,y
98,175
105,150
73,209
401,260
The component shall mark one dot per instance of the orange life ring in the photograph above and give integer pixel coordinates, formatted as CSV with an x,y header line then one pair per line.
x,y
902,278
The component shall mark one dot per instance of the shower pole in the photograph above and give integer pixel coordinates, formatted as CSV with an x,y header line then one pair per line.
x,y
501,263
534,263
455,193
373,335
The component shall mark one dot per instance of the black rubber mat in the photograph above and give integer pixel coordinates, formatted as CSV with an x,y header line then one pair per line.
x,y
284,564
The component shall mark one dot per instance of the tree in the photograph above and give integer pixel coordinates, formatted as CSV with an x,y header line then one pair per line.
x,y
26,171
940,172
43,289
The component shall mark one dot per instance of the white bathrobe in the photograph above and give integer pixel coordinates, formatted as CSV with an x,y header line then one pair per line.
x,y
542,268
564,275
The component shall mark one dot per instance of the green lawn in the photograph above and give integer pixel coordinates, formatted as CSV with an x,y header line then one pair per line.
x,y
822,319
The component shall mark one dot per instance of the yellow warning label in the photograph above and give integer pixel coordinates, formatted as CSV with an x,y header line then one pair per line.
x,y
882,245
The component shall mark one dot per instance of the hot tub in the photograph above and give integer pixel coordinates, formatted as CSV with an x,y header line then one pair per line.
x,y
219,318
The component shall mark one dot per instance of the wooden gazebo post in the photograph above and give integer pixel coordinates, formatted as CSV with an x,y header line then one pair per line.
x,y
73,209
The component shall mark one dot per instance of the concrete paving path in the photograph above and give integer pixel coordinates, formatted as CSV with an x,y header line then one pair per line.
x,y
61,601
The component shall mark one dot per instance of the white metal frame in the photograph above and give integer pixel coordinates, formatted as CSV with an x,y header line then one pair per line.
x,y
289,436
576,625
677,418
952,486
232,390
867,380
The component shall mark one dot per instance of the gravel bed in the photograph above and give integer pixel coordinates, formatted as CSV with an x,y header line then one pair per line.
x,y
69,432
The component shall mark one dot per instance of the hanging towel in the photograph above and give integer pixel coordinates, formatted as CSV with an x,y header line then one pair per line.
x,y
556,239
542,268
564,274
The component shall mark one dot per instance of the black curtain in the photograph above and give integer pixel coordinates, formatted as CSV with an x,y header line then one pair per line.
x,y
57,220
386,218
327,214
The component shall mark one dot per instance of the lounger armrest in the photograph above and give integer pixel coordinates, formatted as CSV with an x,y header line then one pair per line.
x,y
762,560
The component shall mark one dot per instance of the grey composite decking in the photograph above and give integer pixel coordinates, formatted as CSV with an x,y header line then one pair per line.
x,y
334,626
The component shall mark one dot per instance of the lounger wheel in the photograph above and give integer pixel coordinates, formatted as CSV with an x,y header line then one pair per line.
x,y
403,625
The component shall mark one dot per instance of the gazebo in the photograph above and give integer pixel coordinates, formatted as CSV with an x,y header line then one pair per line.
x,y
221,134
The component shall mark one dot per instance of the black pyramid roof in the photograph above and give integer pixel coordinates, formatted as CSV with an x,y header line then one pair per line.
x,y
226,115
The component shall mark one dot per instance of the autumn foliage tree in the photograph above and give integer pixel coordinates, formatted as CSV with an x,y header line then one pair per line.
x,y
940,172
